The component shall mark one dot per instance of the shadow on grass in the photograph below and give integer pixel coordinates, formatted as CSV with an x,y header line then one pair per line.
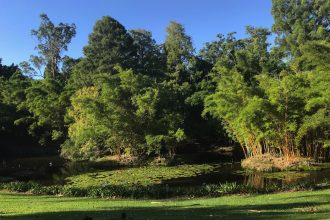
x,y
299,210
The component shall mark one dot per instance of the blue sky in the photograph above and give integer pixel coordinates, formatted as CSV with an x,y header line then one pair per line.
x,y
203,20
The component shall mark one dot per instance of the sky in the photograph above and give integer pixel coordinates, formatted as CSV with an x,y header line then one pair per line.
x,y
202,19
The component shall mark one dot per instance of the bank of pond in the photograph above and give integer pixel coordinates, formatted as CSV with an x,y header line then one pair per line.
x,y
108,178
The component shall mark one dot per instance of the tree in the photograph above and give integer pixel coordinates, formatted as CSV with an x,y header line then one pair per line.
x,y
222,50
124,115
179,54
46,99
227,102
53,40
316,55
249,77
299,21
109,45
253,58
149,57
68,66
175,88
263,119
314,132
7,71
11,95
249,57
215,54
313,135
178,50
46,103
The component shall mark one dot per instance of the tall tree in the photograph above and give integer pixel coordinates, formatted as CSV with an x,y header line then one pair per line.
x,y
178,50
314,133
254,57
46,99
149,57
109,45
299,21
52,41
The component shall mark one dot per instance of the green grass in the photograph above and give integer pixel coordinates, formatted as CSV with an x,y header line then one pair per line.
x,y
145,176
292,205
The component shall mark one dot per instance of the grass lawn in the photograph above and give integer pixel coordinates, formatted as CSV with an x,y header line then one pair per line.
x,y
291,205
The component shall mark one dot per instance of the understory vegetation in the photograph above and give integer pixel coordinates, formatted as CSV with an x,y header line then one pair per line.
x,y
155,191
129,95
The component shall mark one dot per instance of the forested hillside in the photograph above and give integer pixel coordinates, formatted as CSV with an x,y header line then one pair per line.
x,y
130,95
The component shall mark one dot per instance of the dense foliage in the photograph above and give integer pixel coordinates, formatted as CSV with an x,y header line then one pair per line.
x,y
156,191
130,95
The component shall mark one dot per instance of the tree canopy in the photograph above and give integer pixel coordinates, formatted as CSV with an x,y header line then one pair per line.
x,y
130,95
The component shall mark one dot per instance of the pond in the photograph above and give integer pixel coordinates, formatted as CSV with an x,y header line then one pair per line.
x,y
234,173
53,170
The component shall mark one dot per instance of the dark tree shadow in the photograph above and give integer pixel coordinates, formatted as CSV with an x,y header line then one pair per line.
x,y
300,210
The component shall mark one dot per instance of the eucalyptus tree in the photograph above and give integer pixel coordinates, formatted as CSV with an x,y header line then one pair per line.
x,y
46,99
52,41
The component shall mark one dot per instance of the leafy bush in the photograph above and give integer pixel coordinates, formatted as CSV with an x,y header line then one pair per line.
x,y
18,186
155,191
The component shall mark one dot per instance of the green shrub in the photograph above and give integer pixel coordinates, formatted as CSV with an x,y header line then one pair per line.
x,y
18,186
45,190
74,191
155,191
